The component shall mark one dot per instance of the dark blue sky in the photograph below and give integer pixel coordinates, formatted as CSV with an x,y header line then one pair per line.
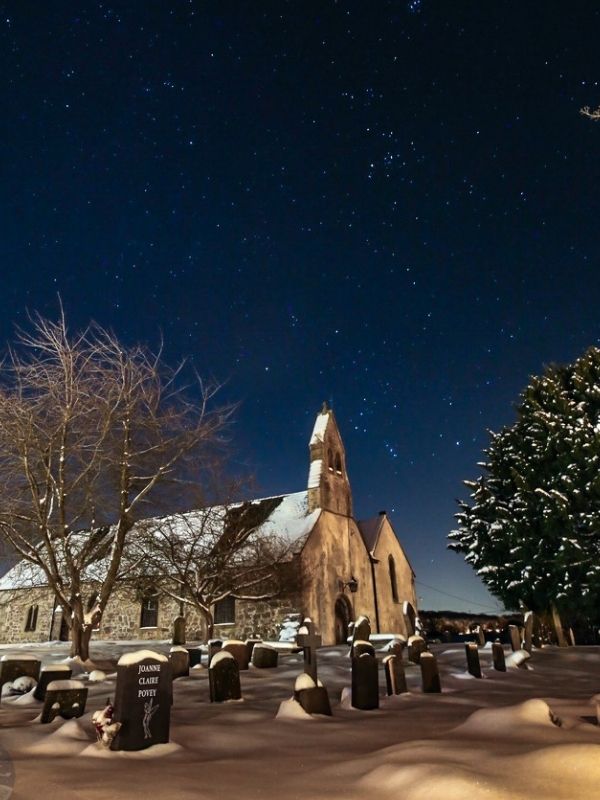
x,y
392,206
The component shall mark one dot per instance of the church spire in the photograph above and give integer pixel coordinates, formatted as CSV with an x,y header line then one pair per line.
x,y
328,485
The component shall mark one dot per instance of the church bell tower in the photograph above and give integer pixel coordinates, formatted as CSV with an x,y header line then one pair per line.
x,y
328,484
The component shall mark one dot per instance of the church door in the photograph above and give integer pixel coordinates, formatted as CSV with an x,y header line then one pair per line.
x,y
343,616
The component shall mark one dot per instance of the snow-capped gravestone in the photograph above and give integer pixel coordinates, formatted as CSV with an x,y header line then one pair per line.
x,y
250,645
361,647
515,639
180,662
64,698
49,673
142,700
312,696
395,679
13,667
224,678
264,657
360,632
365,682
396,647
239,651
178,630
430,676
498,657
214,646
416,647
528,632
309,640
410,618
473,665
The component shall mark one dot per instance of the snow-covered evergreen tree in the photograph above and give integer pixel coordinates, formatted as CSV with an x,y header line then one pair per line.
x,y
532,528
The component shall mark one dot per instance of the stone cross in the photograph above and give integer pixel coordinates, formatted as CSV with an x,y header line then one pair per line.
x,y
309,642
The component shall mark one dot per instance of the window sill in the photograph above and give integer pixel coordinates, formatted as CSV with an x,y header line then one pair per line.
x,y
149,628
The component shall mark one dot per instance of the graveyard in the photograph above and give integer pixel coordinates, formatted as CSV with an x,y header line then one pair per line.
x,y
266,720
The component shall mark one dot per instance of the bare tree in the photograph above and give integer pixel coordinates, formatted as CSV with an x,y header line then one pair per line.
x,y
93,436
202,557
592,114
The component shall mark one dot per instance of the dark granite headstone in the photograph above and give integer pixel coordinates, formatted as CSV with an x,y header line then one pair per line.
x,y
416,646
410,618
180,662
528,632
13,667
498,657
179,631
309,640
430,676
239,651
395,679
52,672
365,682
214,645
264,657
515,639
195,654
250,645
64,698
361,647
314,700
224,678
142,700
473,665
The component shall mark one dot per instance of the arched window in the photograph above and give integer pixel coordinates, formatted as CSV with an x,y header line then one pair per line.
x,y
32,615
149,615
338,463
393,581
330,460
225,611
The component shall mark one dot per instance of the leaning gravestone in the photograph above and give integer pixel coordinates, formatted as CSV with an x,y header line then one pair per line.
x,y
214,646
361,647
515,639
142,700
239,651
430,676
473,665
365,682
178,630
64,698
224,678
395,679
264,656
13,667
416,646
49,673
180,662
528,632
410,618
498,657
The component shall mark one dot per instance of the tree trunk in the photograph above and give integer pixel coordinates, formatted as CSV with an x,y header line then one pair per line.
x,y
558,629
80,640
209,622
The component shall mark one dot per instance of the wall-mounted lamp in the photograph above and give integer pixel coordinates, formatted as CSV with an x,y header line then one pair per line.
x,y
352,584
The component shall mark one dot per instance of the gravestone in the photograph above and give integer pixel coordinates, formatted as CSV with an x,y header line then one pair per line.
x,y
179,630
64,698
313,699
13,667
395,679
473,665
180,662
528,632
416,646
365,682
195,654
142,700
479,633
515,639
49,673
214,646
238,650
498,657
396,647
572,640
361,647
410,618
264,656
224,677
430,677
250,645
309,641
362,629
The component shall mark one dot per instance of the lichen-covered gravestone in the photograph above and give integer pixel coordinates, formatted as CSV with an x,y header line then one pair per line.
x,y
498,657
179,630
180,662
49,673
395,679
239,651
142,700
64,698
224,678
13,667
264,657
473,665
430,676
365,682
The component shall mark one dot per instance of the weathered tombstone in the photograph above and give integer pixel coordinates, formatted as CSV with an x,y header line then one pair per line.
x,y
64,698
49,673
309,641
313,699
214,645
362,629
498,657
410,618
473,665
224,678
416,646
238,650
142,700
13,667
179,630
250,645
396,647
365,682
195,654
264,656
361,647
180,662
515,639
395,679
430,676
528,632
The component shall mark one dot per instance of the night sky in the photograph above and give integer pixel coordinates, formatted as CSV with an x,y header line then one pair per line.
x,y
391,206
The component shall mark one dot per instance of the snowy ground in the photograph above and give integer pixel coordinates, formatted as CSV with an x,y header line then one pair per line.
x,y
491,739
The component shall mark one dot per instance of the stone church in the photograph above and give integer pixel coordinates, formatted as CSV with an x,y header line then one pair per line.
x,y
346,567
